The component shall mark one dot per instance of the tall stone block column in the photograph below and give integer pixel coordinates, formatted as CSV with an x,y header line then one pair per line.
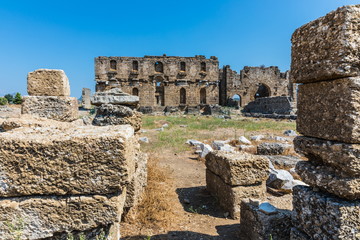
x,y
326,62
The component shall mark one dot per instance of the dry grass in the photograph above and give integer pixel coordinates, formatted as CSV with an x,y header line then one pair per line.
x,y
155,210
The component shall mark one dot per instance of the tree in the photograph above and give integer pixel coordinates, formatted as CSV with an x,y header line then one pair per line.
x,y
17,99
10,98
3,101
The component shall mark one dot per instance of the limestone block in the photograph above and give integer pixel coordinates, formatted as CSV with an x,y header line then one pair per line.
x,y
136,187
230,197
330,110
328,179
327,48
296,234
109,114
48,82
257,225
59,161
338,155
238,168
57,108
114,96
273,148
44,217
322,216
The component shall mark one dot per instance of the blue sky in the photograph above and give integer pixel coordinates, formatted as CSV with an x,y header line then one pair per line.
x,y
69,34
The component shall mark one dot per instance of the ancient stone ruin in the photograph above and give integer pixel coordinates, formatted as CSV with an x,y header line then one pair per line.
x,y
59,179
325,62
85,98
234,176
49,96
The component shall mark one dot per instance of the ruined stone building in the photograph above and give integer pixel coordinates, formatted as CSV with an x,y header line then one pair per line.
x,y
161,81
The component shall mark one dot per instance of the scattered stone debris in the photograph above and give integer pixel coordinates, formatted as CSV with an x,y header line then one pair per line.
x,y
257,138
267,148
290,133
144,139
244,140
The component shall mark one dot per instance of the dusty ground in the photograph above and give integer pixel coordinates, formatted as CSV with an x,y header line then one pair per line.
x,y
196,213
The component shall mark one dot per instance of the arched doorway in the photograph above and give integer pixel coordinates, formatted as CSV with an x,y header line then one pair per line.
x,y
135,92
159,67
159,91
182,96
113,65
262,91
203,96
236,99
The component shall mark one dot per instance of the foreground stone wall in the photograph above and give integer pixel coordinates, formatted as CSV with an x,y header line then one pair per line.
x,y
324,55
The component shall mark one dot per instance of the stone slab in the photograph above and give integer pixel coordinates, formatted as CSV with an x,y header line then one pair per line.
x,y
230,197
114,96
330,110
57,108
48,82
327,48
338,155
257,225
59,161
238,168
85,98
329,180
322,216
109,114
49,216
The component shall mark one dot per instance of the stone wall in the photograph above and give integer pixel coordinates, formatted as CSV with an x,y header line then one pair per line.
x,y
270,105
325,61
161,80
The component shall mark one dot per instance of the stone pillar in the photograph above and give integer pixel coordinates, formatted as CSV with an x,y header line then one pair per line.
x,y
86,93
325,61
232,177
49,96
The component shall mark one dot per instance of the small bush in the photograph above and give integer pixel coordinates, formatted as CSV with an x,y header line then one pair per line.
x,y
10,98
17,99
3,101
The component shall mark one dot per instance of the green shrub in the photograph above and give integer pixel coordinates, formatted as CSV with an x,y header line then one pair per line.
x,y
17,99
10,98
3,101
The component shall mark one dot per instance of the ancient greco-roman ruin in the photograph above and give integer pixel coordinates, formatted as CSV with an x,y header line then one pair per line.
x,y
64,176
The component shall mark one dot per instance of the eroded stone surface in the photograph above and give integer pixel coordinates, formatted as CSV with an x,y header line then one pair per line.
x,y
323,216
338,155
48,82
257,225
329,180
42,217
114,96
330,110
62,161
328,47
57,108
109,114
230,197
238,168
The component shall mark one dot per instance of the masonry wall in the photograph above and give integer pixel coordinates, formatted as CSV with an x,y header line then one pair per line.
x,y
161,80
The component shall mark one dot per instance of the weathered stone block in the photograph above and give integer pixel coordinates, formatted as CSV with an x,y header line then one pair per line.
x,y
273,148
322,216
296,234
109,114
257,225
114,96
59,161
230,197
338,155
327,48
238,168
85,98
57,108
136,187
48,82
330,110
44,217
329,180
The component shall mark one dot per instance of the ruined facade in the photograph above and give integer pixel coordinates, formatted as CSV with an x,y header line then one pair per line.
x,y
162,81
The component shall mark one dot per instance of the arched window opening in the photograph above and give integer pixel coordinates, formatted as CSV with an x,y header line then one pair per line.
x,y
182,66
203,96
135,65
112,64
160,91
203,66
182,96
262,91
135,92
159,67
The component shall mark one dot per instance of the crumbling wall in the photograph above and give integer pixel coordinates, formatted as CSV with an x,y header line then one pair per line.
x,y
325,61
